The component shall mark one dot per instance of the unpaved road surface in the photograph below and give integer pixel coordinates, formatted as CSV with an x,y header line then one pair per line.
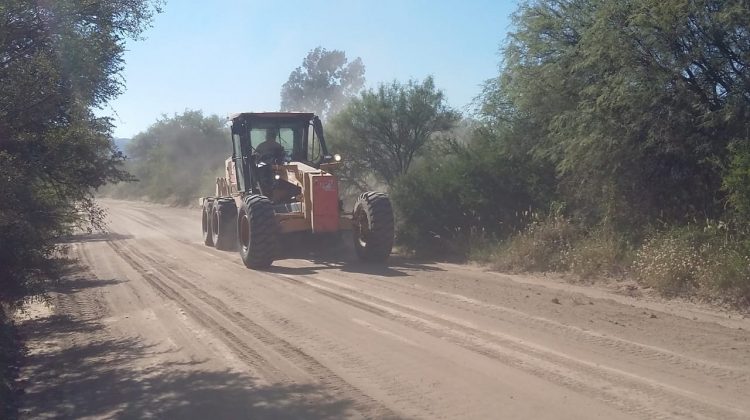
x,y
159,325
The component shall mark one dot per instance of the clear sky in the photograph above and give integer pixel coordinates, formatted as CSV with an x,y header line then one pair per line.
x,y
227,56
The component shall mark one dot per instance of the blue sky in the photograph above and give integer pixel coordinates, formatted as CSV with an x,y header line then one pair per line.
x,y
227,56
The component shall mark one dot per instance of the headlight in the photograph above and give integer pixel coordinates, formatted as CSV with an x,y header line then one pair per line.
x,y
337,157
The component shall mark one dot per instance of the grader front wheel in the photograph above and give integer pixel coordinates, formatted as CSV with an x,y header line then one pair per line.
x,y
258,232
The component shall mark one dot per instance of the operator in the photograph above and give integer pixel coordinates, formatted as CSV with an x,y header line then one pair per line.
x,y
270,149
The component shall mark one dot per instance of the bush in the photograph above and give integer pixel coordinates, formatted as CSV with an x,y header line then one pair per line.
x,y
736,181
176,160
669,262
542,246
709,262
600,252
726,274
464,193
10,354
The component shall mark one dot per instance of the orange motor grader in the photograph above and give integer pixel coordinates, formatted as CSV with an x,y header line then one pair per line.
x,y
266,195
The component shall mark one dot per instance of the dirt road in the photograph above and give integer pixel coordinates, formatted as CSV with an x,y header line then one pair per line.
x,y
159,325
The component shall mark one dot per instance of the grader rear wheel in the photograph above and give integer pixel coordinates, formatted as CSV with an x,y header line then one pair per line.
x,y
373,227
206,223
224,225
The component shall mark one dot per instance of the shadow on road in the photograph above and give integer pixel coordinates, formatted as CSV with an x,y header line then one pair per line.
x,y
94,237
339,254
394,267
76,284
79,370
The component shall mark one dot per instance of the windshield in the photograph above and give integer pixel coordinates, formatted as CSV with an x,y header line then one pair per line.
x,y
288,136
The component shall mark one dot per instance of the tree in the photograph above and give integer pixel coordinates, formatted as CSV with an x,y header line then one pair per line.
x,y
636,102
177,158
323,84
468,192
58,61
382,131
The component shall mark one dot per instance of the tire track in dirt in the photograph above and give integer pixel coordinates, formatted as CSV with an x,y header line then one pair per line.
x,y
249,356
631,394
360,367
501,313
627,392
640,350
335,385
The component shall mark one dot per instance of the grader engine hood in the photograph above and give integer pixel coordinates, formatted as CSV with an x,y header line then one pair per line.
x,y
320,195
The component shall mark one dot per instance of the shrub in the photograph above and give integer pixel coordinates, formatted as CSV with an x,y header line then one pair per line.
x,y
709,261
600,252
10,354
669,262
726,273
479,190
542,246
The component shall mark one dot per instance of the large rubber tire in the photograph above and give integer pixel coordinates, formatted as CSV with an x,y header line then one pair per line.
x,y
258,232
224,225
372,228
206,223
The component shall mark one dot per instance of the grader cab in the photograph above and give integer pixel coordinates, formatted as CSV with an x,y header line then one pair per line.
x,y
278,181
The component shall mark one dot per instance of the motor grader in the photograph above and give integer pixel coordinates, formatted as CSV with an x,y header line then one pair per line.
x,y
262,197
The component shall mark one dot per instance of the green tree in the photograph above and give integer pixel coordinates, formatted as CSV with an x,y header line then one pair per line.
x,y
635,102
465,193
177,158
382,131
323,84
58,61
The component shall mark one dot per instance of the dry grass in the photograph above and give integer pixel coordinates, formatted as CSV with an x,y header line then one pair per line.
x,y
601,252
703,261
668,263
542,246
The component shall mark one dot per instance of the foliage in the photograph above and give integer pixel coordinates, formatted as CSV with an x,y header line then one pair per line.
x,y
177,159
737,181
634,114
631,92
323,84
706,260
10,357
541,246
382,131
58,61
465,192
601,251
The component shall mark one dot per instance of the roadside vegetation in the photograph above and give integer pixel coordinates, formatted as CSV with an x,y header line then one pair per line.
x,y
59,61
169,159
614,141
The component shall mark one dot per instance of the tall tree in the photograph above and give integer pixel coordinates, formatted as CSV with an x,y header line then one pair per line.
x,y
58,61
382,131
323,84
636,102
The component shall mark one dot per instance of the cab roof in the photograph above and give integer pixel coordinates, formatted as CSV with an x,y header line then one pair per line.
x,y
271,115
